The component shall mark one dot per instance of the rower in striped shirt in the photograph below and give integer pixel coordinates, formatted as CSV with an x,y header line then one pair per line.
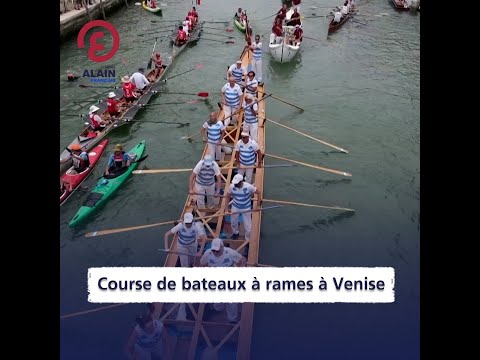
x,y
246,155
231,93
213,132
238,72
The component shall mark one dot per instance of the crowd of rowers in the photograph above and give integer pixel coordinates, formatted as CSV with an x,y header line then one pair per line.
x,y
342,11
189,24
280,21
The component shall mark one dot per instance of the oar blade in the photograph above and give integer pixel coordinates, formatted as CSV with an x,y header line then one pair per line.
x,y
203,94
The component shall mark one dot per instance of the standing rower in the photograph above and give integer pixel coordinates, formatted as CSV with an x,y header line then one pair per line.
x,y
250,115
202,182
257,58
241,192
247,153
231,93
238,71
213,131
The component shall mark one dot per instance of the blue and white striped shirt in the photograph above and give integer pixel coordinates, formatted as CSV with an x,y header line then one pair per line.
x,y
242,197
248,114
232,94
187,236
247,152
214,132
257,51
206,175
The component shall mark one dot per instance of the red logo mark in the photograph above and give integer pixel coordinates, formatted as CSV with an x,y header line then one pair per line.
x,y
94,46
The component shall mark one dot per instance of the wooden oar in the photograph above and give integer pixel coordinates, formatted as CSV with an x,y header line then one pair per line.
x,y
225,42
188,138
209,33
114,231
284,101
197,67
310,165
200,94
166,171
212,28
170,103
307,205
178,253
78,313
268,17
308,136
109,176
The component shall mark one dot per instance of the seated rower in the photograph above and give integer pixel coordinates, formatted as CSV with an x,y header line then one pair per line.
x,y
282,13
239,15
337,17
294,19
71,76
345,9
96,122
112,105
139,79
128,88
158,61
195,14
297,36
277,30
186,28
181,36
80,159
118,160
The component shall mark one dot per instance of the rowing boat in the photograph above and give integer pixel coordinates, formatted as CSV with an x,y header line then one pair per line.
x,y
107,186
210,333
73,180
400,5
241,25
283,51
333,26
156,10
89,138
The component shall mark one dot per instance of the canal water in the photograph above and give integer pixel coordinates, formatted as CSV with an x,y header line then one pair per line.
x,y
360,91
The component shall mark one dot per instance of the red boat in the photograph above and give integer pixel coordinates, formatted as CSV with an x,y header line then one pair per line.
x,y
73,181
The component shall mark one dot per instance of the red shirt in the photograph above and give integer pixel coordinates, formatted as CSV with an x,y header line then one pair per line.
x,y
277,30
298,33
128,89
282,14
112,106
296,2
182,35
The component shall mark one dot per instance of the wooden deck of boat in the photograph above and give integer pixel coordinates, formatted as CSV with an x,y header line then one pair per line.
x,y
207,333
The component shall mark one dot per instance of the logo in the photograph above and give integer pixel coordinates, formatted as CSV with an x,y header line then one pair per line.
x,y
94,46
105,74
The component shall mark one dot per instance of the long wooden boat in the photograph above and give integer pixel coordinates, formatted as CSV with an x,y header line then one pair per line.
x,y
400,5
74,180
333,26
157,10
208,333
284,52
89,138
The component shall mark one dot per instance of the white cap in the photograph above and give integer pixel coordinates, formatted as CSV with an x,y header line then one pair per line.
x,y
239,61
216,244
244,134
111,94
237,178
93,108
249,96
188,218
208,160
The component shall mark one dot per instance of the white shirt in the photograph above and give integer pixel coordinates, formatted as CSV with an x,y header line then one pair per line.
x,y
185,26
338,16
197,225
216,168
228,258
344,10
139,80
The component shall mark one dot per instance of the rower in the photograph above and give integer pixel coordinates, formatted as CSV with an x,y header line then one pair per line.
x,y
213,132
186,27
231,93
181,36
96,122
157,60
189,24
188,233
202,182
250,115
241,192
277,32
240,15
282,13
294,19
296,4
257,58
118,160
80,159
195,14
237,71
337,17
71,76
128,89
297,36
247,153
345,9
139,79
112,105
251,83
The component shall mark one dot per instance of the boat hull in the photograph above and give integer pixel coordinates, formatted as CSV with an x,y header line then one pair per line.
x,y
284,52
76,179
105,188
239,25
156,11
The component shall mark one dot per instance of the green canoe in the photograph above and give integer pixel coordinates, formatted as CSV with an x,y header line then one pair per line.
x,y
240,26
106,186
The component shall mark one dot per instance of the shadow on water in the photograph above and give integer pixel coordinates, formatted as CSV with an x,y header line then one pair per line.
x,y
286,70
